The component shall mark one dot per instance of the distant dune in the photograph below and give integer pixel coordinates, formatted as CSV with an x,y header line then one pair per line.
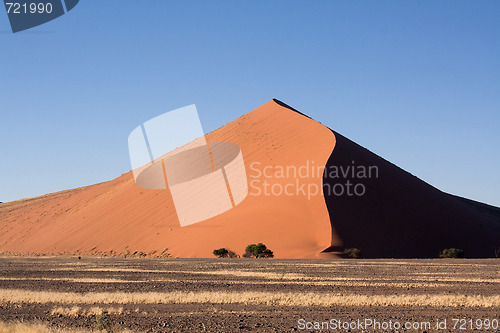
x,y
398,215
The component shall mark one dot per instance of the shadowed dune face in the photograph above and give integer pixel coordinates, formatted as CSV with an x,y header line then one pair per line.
x,y
119,216
402,216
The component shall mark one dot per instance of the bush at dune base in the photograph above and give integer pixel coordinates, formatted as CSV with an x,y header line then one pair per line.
x,y
224,253
353,253
452,253
258,251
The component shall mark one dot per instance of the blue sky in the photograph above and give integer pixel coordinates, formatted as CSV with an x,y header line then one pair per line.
x,y
417,82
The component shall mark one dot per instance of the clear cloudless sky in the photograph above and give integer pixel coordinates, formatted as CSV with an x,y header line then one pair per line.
x,y
416,82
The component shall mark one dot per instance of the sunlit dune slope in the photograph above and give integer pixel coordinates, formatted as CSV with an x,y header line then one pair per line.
x,y
119,216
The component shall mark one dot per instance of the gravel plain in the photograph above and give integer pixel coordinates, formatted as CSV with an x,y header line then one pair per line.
x,y
264,295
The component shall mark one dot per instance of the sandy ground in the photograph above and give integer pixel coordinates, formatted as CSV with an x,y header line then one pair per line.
x,y
230,295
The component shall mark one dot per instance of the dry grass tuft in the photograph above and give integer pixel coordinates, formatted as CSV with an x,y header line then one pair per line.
x,y
77,280
73,311
268,298
93,311
37,328
294,277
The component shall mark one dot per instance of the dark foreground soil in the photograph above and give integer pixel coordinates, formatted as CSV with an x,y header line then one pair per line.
x,y
374,278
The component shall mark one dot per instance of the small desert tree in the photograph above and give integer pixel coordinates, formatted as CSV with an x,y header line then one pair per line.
x,y
224,253
258,251
452,253
353,253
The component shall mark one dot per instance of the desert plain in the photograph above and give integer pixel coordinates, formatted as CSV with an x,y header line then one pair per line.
x,y
72,294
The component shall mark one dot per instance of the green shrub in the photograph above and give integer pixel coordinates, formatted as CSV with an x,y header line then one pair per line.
x,y
452,253
99,323
353,253
258,251
105,324
224,253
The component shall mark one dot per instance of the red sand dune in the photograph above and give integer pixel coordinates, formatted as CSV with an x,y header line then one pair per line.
x,y
399,216
118,215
